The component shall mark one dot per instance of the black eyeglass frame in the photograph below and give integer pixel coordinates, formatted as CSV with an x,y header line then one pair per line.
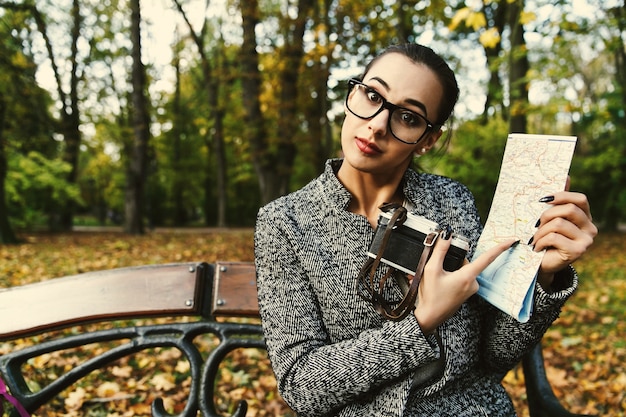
x,y
352,82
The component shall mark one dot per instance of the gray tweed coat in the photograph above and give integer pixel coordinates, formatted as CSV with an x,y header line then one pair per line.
x,y
333,355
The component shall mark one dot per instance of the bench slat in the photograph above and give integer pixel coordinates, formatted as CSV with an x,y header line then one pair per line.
x,y
151,290
234,290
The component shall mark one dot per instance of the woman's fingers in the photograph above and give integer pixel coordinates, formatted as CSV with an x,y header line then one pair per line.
x,y
565,230
441,293
439,250
566,203
479,264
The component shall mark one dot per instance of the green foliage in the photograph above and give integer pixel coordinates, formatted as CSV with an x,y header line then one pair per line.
x,y
25,121
474,157
101,182
600,172
36,188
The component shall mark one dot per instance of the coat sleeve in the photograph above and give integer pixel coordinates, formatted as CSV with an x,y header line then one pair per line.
x,y
315,376
506,340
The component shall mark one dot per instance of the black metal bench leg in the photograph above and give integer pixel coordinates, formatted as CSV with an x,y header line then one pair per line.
x,y
541,399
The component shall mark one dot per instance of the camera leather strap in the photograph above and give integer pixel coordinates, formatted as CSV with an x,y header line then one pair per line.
x,y
374,292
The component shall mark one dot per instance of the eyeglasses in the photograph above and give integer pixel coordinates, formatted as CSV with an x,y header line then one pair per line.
x,y
405,125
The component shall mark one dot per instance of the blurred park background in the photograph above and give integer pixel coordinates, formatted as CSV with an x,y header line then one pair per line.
x,y
168,123
194,113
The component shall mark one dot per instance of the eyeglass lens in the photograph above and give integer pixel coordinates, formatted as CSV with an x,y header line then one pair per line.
x,y
405,125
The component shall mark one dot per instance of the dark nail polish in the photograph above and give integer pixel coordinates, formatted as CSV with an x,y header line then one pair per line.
x,y
538,223
514,244
546,199
446,232
531,240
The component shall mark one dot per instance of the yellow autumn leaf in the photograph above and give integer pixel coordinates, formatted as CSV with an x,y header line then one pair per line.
x,y
527,17
237,394
122,371
107,389
476,20
74,400
169,403
460,16
41,361
557,377
163,382
139,409
182,367
143,362
490,38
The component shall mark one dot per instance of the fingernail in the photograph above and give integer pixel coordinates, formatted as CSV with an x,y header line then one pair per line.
x,y
546,199
531,240
514,244
447,233
538,223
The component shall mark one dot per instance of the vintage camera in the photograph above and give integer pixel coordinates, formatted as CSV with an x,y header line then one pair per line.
x,y
407,241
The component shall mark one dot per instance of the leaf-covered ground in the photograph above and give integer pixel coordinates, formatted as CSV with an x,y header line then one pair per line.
x,y
585,350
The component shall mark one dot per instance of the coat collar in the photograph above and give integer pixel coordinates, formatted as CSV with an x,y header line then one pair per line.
x,y
339,196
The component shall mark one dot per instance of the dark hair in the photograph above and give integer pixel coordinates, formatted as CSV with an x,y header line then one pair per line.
x,y
421,54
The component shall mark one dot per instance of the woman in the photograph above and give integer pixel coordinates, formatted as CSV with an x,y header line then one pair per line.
x,y
332,353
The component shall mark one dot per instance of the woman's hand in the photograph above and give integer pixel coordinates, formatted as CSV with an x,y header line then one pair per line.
x,y
565,231
441,293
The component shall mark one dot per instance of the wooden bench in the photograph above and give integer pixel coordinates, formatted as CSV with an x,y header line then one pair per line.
x,y
214,294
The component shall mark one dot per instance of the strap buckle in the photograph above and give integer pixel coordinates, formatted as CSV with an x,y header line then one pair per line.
x,y
431,238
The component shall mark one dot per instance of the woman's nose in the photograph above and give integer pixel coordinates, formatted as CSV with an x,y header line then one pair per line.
x,y
380,122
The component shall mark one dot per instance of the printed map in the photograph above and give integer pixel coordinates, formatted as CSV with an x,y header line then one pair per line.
x,y
533,166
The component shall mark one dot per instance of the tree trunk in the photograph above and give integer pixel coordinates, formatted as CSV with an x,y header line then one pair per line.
x,y
494,94
211,84
614,210
7,236
219,147
136,171
6,232
179,208
319,128
70,119
288,124
71,139
251,81
274,168
217,137
518,70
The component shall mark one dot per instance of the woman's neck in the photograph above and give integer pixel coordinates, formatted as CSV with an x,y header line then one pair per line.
x,y
369,192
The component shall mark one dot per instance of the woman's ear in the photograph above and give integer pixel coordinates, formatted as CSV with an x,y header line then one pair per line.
x,y
420,151
433,138
429,141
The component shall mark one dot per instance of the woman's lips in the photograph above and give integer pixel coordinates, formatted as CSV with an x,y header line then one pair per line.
x,y
368,148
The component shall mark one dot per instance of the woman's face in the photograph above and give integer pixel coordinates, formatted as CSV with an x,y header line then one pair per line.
x,y
368,145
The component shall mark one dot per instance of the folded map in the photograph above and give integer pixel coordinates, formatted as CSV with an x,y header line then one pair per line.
x,y
533,166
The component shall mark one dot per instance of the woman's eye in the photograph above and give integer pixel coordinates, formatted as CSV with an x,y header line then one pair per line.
x,y
373,96
409,119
